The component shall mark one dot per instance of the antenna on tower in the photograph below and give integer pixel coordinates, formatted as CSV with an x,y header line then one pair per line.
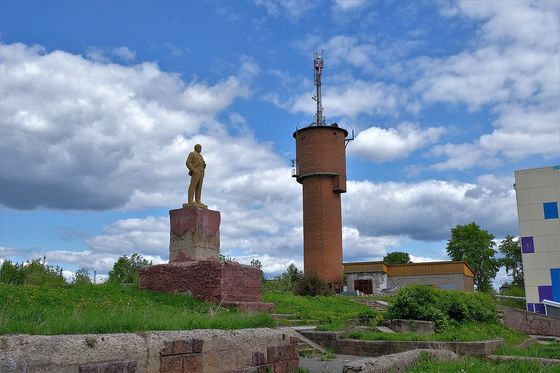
x,y
318,71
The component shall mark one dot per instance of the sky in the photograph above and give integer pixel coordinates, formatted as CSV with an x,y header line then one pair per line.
x,y
100,103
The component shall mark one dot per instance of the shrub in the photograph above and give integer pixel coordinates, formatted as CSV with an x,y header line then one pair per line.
x,y
441,306
285,281
81,276
311,284
34,272
125,270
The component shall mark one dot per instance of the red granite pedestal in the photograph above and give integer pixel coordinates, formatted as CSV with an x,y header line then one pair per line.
x,y
195,270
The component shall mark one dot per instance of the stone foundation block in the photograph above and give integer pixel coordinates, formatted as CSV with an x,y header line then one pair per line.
x,y
210,280
194,234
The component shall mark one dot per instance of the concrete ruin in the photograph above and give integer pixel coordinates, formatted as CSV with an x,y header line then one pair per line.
x,y
152,352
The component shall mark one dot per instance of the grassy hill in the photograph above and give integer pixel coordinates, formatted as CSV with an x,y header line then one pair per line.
x,y
108,308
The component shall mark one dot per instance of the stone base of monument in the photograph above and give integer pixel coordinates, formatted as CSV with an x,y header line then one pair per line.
x,y
194,268
225,283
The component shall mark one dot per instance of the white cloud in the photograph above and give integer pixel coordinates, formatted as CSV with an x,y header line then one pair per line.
x,y
512,67
347,5
342,50
359,247
292,9
424,259
429,209
352,99
271,266
384,144
148,235
124,53
94,135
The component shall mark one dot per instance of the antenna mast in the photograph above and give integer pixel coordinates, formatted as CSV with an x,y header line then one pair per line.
x,y
318,71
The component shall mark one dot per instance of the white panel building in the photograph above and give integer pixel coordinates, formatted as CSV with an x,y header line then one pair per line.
x,y
538,197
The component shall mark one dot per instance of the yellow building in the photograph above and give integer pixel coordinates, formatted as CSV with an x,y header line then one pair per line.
x,y
370,277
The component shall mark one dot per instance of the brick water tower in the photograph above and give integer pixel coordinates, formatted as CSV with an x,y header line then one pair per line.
x,y
320,166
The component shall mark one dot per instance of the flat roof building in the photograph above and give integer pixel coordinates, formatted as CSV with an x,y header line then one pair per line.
x,y
538,196
371,277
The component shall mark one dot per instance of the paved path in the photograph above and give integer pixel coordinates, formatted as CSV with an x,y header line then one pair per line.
x,y
316,365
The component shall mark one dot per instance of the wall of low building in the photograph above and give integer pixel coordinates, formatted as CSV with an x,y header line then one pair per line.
x,y
152,352
378,279
449,281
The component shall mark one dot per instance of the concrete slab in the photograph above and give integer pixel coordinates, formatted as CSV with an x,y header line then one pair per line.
x,y
384,329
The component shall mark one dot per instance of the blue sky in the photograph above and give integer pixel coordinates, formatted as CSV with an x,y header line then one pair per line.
x,y
101,102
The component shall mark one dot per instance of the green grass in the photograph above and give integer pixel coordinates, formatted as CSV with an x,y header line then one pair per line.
x,y
476,365
549,351
110,308
331,312
385,298
468,331
513,303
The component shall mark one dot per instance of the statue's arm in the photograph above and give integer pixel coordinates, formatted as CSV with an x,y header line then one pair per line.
x,y
188,162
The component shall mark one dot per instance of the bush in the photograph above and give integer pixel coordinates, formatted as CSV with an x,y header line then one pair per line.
x,y
34,272
441,306
126,269
285,281
311,284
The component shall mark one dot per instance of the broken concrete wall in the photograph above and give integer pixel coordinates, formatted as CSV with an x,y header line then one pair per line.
x,y
529,322
358,347
152,352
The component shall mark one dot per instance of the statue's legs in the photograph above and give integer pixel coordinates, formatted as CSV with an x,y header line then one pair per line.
x,y
198,191
196,179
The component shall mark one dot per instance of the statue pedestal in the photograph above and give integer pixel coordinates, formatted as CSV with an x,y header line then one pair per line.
x,y
194,268
194,234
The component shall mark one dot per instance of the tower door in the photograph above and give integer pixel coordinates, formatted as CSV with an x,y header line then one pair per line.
x,y
365,286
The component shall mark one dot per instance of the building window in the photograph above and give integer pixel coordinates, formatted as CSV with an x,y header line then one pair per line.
x,y
527,245
550,210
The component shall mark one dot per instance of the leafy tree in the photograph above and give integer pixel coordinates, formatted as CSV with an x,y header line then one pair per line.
x,y
125,270
257,264
37,272
292,274
34,272
81,276
310,284
397,257
10,273
476,247
510,248
286,280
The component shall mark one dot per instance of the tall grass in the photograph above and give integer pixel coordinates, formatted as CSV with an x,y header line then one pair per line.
x,y
331,310
476,365
110,308
467,331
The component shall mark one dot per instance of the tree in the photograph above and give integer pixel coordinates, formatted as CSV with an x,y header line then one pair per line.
x,y
286,280
125,270
81,276
397,257
33,272
257,264
311,285
11,273
510,248
476,247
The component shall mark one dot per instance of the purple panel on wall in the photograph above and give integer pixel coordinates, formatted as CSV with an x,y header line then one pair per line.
x,y
545,292
539,308
531,307
527,245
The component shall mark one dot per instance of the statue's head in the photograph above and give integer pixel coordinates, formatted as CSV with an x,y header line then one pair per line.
x,y
198,148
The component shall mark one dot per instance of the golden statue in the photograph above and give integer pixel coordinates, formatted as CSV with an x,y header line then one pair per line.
x,y
196,165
